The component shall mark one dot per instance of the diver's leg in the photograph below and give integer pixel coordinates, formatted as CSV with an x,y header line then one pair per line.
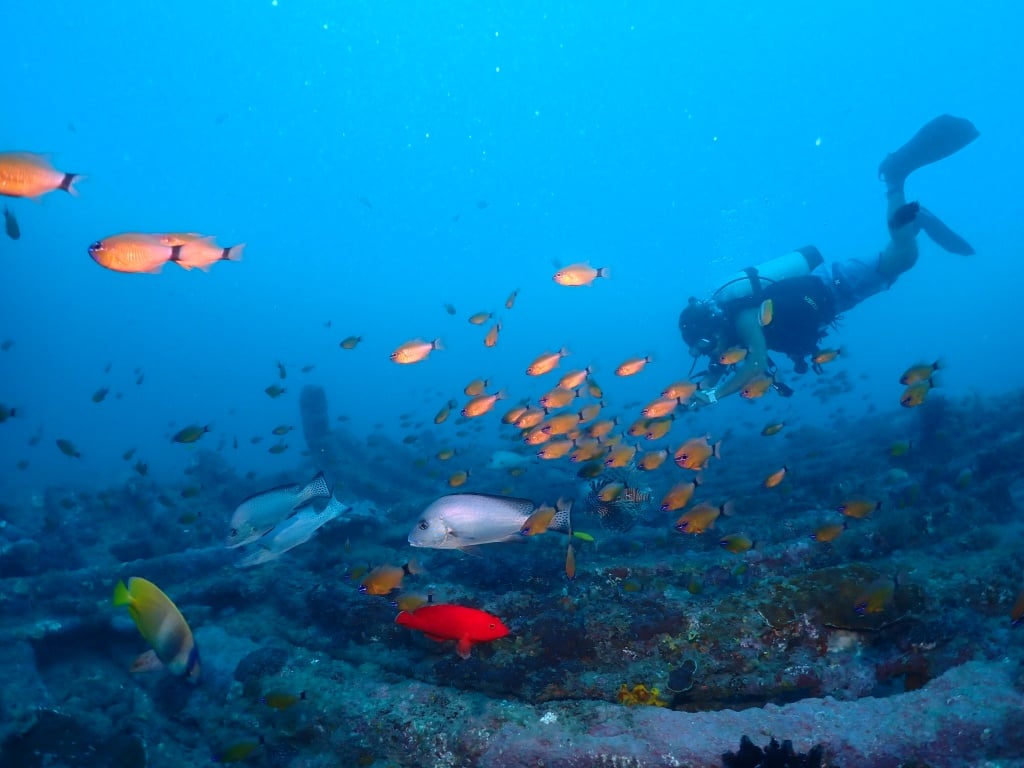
x,y
900,254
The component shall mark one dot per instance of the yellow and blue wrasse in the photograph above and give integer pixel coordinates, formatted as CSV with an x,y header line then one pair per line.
x,y
583,536
1017,612
877,596
915,394
773,429
161,624
736,543
919,372
858,508
282,700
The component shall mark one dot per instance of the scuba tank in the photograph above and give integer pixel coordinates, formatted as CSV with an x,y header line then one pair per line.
x,y
749,282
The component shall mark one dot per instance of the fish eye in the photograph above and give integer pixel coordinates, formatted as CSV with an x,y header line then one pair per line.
x,y
97,246
424,525
491,626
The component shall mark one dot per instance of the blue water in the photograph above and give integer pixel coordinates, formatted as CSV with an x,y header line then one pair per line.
x,y
672,145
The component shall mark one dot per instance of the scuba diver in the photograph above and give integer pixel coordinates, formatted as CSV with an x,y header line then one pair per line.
x,y
788,304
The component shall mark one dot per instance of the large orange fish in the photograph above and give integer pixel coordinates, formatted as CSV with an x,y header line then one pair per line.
x,y
701,517
133,252
633,365
546,362
454,622
579,274
26,174
694,453
200,250
414,351
385,579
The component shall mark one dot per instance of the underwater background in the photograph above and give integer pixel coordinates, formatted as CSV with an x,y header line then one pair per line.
x,y
394,168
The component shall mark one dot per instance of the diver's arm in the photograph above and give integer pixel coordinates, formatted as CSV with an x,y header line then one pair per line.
x,y
748,328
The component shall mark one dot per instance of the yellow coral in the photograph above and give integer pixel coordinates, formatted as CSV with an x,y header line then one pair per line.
x,y
640,694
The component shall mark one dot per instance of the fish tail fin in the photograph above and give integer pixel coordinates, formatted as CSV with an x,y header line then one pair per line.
x,y
121,594
604,272
68,183
234,253
317,488
562,521
464,647
436,344
412,568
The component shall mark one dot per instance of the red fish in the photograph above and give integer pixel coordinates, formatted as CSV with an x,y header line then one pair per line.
x,y
454,622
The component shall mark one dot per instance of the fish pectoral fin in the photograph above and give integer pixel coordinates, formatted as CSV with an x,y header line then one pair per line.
x,y
464,647
471,550
147,662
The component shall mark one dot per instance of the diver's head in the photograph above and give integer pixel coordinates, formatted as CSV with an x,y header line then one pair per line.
x,y
700,323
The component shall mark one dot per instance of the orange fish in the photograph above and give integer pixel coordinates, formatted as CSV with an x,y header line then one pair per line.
x,y
590,412
620,456
491,339
546,362
561,424
587,450
558,398
26,174
385,579
766,313
701,518
476,387
756,387
637,428
773,429
736,543
511,300
481,404
538,522
530,417
681,390
536,436
480,318
200,250
830,532
915,394
133,252
574,379
633,365
877,596
611,491
679,495
663,406
570,563
556,449
513,414
602,428
858,508
579,274
1017,612
350,342
594,390
442,415
659,428
459,478
652,459
775,477
446,453
414,351
919,372
732,355
826,356
694,453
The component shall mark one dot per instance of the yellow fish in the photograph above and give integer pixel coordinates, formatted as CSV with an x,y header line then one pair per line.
x,y
679,495
877,596
701,517
162,625
775,477
732,355
919,372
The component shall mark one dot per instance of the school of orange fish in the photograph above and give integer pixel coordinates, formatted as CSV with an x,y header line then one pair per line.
x,y
560,425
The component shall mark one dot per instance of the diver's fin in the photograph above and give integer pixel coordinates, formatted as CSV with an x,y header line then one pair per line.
x,y
936,139
941,235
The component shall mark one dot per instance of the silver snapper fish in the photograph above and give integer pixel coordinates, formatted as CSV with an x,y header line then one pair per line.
x,y
294,531
262,511
462,520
